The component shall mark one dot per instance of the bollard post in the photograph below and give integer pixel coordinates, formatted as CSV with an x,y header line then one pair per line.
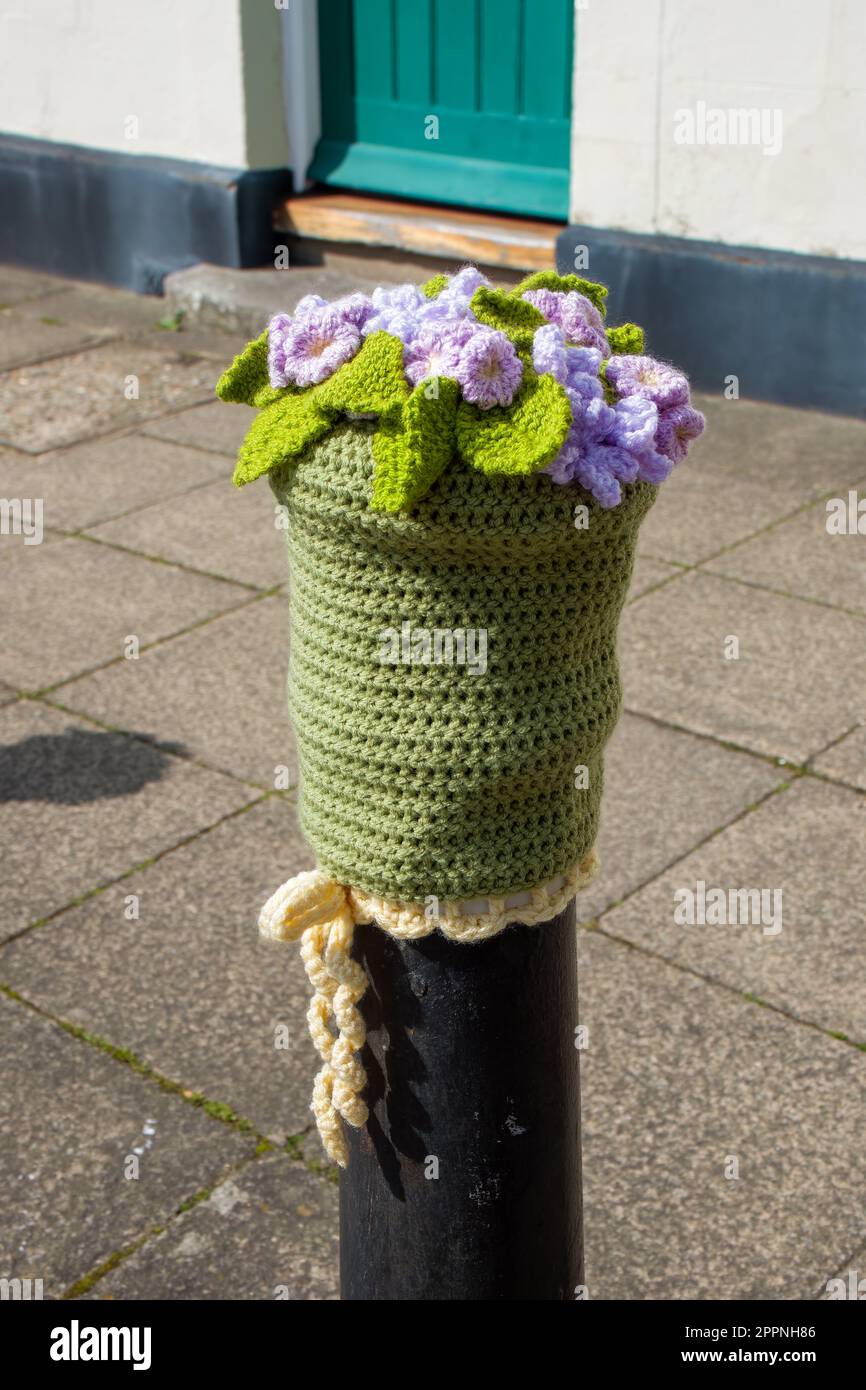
x,y
466,1181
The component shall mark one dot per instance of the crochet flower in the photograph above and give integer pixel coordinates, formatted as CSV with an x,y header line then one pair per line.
x,y
577,316
644,376
489,370
607,446
309,348
278,330
354,308
436,350
677,427
548,352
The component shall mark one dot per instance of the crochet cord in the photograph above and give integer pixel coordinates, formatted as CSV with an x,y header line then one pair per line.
x,y
322,913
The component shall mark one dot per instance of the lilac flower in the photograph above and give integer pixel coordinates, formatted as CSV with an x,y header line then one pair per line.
x,y
466,281
677,427
436,350
354,308
644,376
580,362
308,305
606,447
308,350
489,370
400,323
278,329
577,316
548,352
407,296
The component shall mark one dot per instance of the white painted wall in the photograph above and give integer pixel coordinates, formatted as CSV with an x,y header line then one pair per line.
x,y
640,62
203,78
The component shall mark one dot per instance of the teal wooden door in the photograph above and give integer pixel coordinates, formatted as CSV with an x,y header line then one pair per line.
x,y
458,101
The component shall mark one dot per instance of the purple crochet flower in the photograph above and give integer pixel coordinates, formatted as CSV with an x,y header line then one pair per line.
x,y
310,349
489,370
436,350
548,352
644,376
354,308
307,305
577,316
278,330
677,427
608,446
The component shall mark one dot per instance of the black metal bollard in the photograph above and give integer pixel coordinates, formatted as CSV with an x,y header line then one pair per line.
x,y
466,1183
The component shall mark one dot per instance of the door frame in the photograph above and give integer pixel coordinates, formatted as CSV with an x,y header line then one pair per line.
x,y
302,100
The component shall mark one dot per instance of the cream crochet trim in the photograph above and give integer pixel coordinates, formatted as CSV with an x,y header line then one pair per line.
x,y
323,914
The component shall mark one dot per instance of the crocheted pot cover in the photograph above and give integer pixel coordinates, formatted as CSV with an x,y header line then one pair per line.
x,y
442,779
463,471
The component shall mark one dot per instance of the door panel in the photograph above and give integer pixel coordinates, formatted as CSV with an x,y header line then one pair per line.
x,y
495,73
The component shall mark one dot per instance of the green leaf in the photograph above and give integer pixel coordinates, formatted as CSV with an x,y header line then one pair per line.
x,y
280,432
412,447
435,285
626,338
564,284
519,438
511,315
246,380
371,383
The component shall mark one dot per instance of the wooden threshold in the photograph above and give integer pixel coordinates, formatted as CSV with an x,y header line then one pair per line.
x,y
455,234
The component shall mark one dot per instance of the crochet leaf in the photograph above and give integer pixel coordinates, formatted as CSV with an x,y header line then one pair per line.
x,y
549,280
519,438
246,380
435,285
626,338
280,432
412,447
513,316
371,383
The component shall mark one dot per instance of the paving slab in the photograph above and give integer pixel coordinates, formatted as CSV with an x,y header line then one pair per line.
x,y
803,951
846,760
648,574
71,606
32,338
219,529
755,464
189,986
79,806
217,426
269,1233
801,557
797,684
84,394
144,318
17,285
220,690
678,1078
72,1118
7,694
664,791
95,481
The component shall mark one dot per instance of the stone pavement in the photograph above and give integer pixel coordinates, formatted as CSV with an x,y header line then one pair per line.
x,y
156,1140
